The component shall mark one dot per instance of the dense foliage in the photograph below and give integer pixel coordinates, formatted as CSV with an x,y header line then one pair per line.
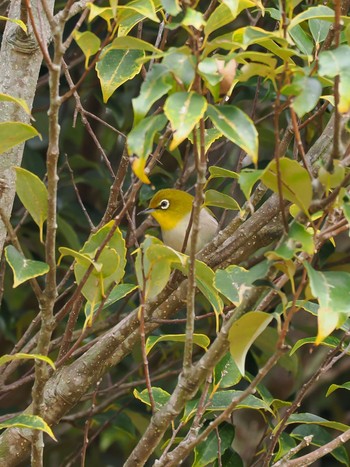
x,y
119,348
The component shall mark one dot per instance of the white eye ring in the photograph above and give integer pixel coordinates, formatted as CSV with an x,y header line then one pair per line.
x,y
164,204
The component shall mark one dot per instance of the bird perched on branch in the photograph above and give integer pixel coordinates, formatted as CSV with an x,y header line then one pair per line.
x,y
172,210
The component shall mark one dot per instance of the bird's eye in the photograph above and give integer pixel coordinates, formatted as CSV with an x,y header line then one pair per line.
x,y
164,204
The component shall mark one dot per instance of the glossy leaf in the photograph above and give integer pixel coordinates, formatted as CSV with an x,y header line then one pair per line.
x,y
317,12
330,341
160,396
199,339
215,198
15,21
193,18
181,63
115,67
16,100
320,437
13,133
226,373
243,333
89,44
334,387
302,40
108,269
119,291
220,172
143,7
306,91
207,451
153,265
295,180
237,127
184,110
157,83
23,269
26,356
33,194
333,294
172,7
309,418
140,139
33,422
235,281
210,136
133,43
247,179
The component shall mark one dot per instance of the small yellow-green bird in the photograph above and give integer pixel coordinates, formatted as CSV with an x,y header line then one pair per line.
x,y
172,210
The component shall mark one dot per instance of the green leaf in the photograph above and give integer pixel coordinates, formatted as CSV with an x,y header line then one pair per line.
x,y
26,356
307,92
207,451
334,387
333,293
172,7
220,400
140,139
317,12
309,418
15,21
215,198
243,333
210,136
153,265
220,172
237,127
319,29
88,42
320,437
199,339
181,63
226,373
13,133
119,291
16,100
115,67
295,180
184,110
103,12
157,83
330,341
247,179
205,282
23,269
143,7
302,40
132,43
33,194
193,18
108,269
32,422
235,281
334,62
160,396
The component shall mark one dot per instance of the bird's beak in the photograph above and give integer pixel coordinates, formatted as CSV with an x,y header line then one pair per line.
x,y
146,211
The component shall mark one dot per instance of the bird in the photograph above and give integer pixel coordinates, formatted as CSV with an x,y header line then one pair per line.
x,y
172,209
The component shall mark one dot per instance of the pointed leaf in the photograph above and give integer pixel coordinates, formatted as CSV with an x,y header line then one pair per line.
x,y
23,269
220,172
140,138
307,92
26,356
143,7
184,110
32,422
226,373
199,339
334,387
207,451
88,42
247,179
333,293
16,100
215,198
16,21
237,127
13,133
33,194
317,12
157,83
295,180
160,396
243,333
115,67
